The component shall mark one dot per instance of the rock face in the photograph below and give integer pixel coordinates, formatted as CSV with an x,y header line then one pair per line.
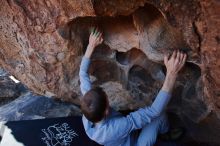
x,y
30,106
42,42
8,88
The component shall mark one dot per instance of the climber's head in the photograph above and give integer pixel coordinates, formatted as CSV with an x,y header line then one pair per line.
x,y
95,105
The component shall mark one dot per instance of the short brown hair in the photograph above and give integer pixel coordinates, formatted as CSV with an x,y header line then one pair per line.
x,y
94,104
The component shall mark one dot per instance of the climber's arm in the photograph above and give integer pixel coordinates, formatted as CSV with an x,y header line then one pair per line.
x,y
85,83
95,39
173,65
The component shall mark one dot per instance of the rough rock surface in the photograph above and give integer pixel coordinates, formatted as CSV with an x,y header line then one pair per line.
x,y
30,106
8,88
42,42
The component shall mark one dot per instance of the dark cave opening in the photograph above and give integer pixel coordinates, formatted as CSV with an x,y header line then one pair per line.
x,y
140,78
105,70
130,57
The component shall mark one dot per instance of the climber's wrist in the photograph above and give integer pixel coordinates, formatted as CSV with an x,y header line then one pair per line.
x,y
171,75
89,52
91,47
169,82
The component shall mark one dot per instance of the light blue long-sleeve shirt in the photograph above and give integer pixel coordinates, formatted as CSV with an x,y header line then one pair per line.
x,y
116,129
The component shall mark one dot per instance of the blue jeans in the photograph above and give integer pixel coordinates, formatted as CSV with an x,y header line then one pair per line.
x,y
148,134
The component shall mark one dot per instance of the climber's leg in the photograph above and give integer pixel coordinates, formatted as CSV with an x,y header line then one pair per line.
x,y
148,134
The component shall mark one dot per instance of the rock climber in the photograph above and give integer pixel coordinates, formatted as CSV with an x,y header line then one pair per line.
x,y
108,127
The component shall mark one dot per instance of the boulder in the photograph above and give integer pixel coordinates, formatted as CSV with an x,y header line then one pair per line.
x,y
42,43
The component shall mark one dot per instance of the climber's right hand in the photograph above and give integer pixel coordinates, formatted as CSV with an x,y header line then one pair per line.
x,y
175,62
173,65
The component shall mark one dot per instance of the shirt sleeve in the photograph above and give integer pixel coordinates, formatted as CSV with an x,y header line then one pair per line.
x,y
143,116
123,126
85,83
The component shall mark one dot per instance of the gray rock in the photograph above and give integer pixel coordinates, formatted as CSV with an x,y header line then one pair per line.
x,y
9,90
31,106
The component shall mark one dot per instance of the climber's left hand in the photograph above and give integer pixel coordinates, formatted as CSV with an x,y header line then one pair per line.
x,y
95,39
